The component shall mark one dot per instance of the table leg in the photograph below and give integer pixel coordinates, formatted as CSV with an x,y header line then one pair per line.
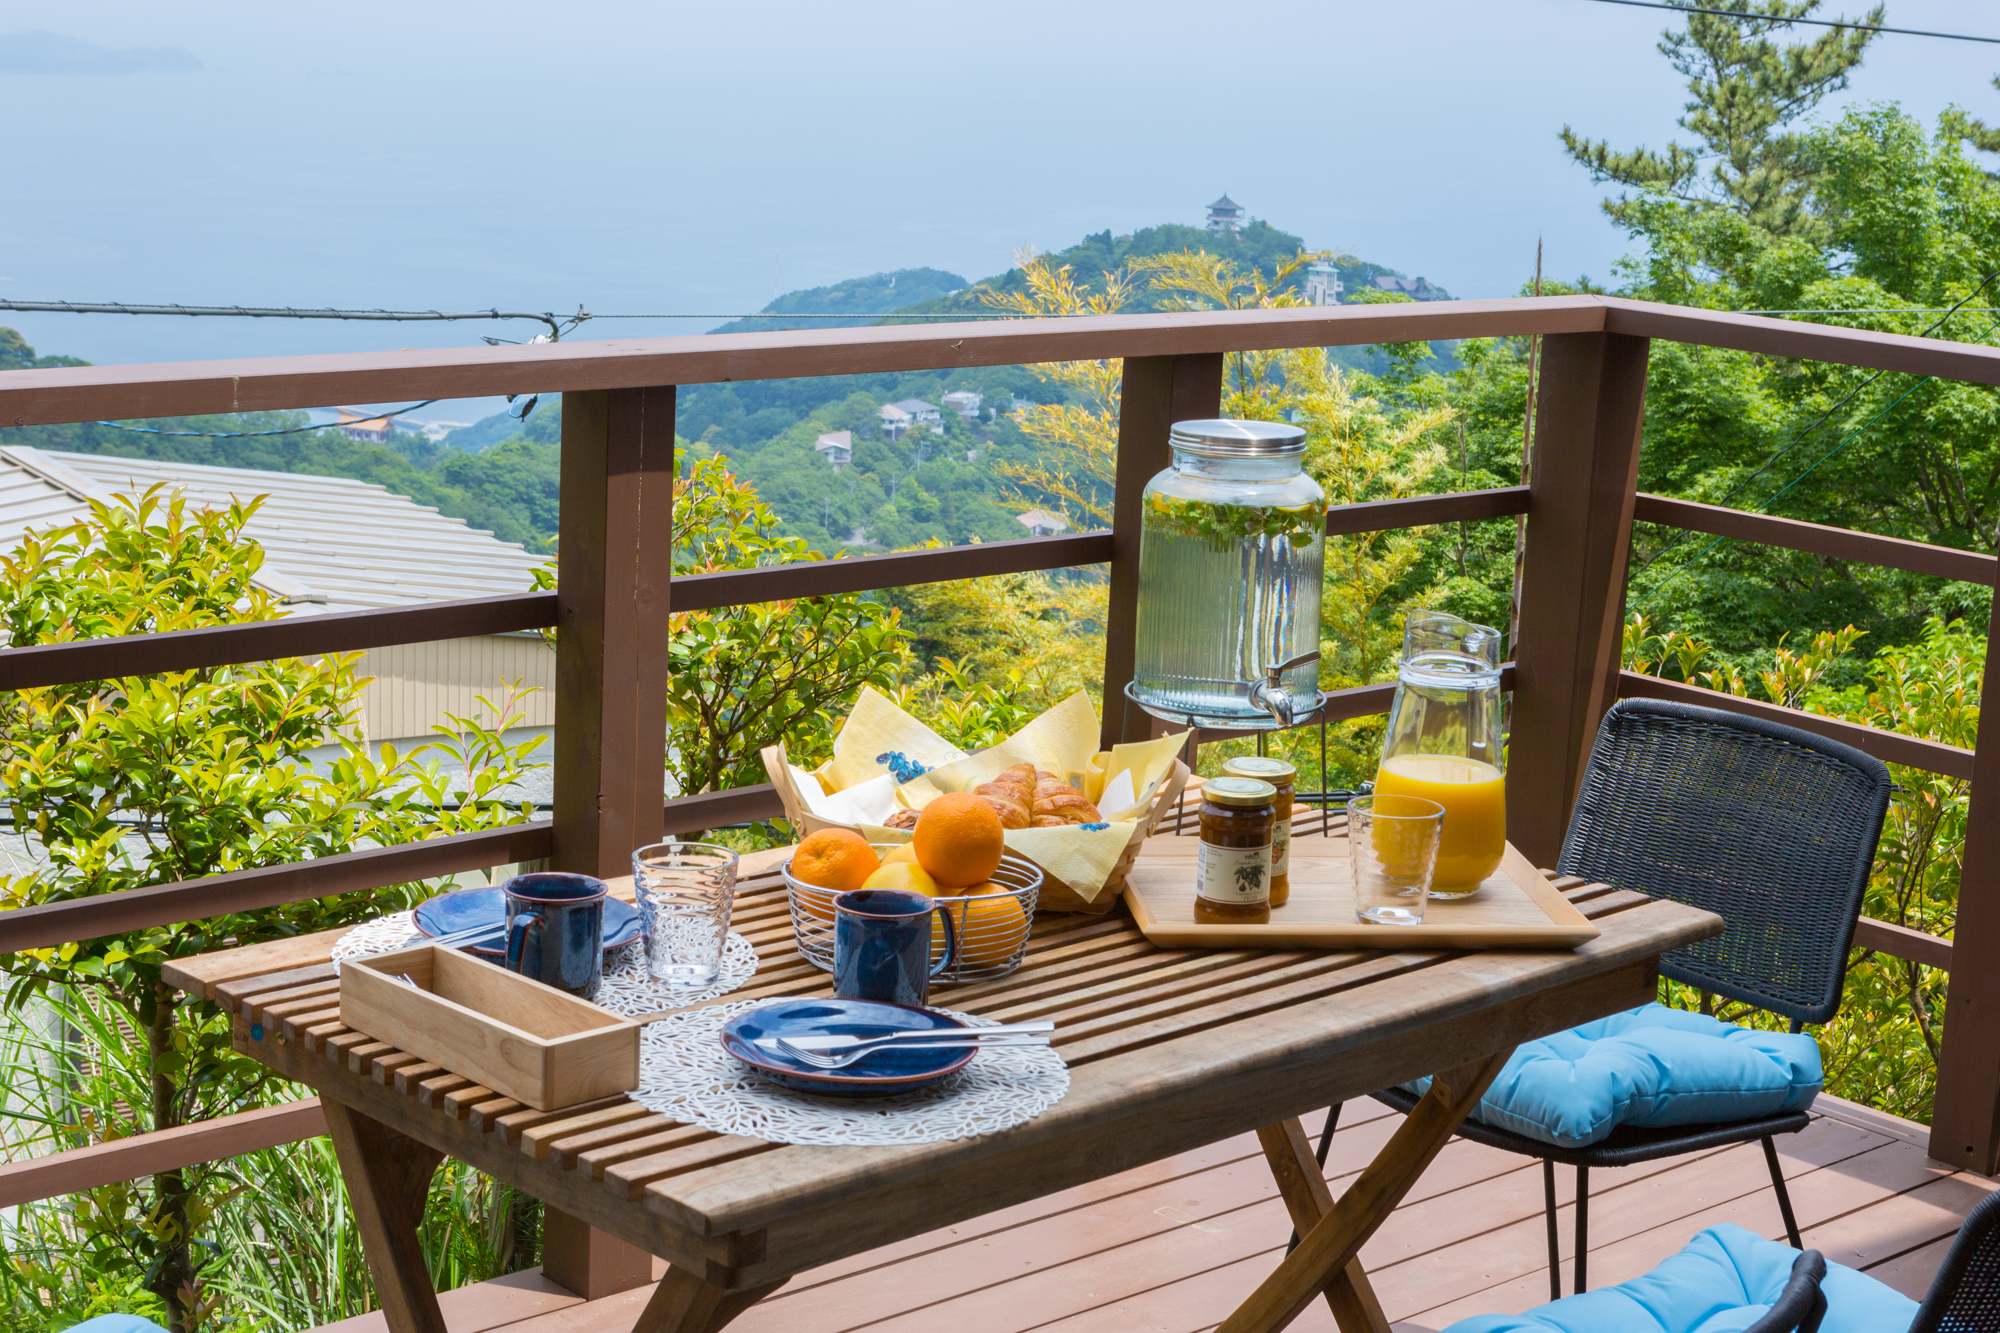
x,y
685,1303
388,1176
1325,1251
1296,1167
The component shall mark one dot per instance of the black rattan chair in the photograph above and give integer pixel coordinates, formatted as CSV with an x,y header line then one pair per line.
x,y
1965,1295
1771,828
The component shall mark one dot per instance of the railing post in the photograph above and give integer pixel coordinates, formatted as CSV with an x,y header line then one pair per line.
x,y
616,521
1586,467
1965,1118
1156,392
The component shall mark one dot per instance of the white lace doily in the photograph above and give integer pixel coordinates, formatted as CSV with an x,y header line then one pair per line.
x,y
627,989
685,1073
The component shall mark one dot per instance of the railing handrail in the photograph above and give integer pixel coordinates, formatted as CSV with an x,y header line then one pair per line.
x,y
199,388
90,393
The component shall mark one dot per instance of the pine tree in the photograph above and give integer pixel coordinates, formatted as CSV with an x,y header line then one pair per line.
x,y
1748,89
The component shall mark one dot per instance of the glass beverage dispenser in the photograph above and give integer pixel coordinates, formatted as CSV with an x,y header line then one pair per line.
x,y
1232,555
1444,743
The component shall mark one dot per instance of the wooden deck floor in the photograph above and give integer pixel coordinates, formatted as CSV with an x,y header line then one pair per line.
x,y
1174,1246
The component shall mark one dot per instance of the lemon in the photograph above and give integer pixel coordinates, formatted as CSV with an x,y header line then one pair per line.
x,y
904,875
903,855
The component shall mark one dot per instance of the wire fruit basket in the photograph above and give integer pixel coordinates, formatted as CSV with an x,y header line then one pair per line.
x,y
992,928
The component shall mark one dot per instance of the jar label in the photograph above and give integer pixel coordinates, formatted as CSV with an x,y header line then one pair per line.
x,y
1233,874
1281,847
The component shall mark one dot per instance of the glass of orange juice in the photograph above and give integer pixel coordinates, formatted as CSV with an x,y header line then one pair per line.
x,y
1444,743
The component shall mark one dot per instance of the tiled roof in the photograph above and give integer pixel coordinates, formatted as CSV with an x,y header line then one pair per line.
x,y
352,543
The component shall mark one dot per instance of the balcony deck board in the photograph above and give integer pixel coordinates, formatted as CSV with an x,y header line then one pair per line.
x,y
1173,1246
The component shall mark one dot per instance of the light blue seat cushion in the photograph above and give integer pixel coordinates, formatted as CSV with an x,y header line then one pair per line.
x,y
117,1323
1652,1067
1721,1282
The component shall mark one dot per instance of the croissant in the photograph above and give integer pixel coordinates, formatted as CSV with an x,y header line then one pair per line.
x,y
1013,813
902,819
1059,803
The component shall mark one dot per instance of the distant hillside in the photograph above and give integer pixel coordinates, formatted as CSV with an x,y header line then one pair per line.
x,y
1258,245
866,298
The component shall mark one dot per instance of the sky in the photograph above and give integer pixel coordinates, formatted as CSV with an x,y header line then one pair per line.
x,y
698,159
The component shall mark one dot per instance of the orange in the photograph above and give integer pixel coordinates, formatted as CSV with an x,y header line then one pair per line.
x,y
959,839
902,875
989,929
834,859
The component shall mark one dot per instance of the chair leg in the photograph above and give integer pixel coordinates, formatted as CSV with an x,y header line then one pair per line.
x,y
1326,1135
1325,1145
1555,1244
1784,1195
1582,1224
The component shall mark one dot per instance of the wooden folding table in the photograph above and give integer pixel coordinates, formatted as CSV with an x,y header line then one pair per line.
x,y
1168,1050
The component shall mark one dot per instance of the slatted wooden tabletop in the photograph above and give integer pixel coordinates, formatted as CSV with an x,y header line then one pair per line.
x,y
1168,1050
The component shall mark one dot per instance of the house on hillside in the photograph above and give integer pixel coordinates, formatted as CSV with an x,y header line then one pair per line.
x,y
964,402
909,413
1419,289
1040,524
369,430
1323,285
331,544
1225,215
837,446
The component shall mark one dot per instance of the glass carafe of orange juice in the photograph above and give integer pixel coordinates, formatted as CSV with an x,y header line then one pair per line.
x,y
1444,743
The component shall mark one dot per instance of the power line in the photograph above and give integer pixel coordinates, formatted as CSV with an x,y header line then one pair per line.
x,y
1818,23
257,434
272,312
1880,310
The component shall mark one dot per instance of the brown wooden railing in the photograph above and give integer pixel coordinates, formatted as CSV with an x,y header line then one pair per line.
x,y
616,592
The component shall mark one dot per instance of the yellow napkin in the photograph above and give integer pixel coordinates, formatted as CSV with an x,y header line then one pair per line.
x,y
879,738
1061,740
1146,761
1080,855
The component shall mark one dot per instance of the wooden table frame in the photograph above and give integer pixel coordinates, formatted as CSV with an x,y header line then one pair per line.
x,y
736,1218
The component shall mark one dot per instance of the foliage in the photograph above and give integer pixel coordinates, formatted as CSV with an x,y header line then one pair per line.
x,y
288,1250
115,785
744,677
1746,90
1075,470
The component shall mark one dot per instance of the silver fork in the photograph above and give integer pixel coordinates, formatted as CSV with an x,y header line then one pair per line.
x,y
847,1057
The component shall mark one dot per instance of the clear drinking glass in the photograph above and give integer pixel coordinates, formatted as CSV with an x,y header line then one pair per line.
x,y
685,892
1393,842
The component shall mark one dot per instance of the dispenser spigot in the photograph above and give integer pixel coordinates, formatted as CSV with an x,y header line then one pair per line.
x,y
1270,693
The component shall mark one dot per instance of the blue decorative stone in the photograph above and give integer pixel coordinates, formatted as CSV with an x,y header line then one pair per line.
x,y
905,768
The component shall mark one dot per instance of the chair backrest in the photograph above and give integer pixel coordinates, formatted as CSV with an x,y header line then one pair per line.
x,y
1965,1295
1801,1305
1771,828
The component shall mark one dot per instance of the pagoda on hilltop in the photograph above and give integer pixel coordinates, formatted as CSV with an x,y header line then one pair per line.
x,y
1225,215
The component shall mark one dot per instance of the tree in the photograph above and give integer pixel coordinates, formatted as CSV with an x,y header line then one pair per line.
x,y
115,785
744,677
1747,90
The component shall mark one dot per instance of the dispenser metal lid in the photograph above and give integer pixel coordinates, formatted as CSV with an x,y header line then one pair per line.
x,y
1226,437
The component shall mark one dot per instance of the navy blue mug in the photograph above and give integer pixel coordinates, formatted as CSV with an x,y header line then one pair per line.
x,y
555,929
882,945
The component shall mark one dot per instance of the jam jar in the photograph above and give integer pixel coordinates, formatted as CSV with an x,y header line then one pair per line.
x,y
1233,862
1285,778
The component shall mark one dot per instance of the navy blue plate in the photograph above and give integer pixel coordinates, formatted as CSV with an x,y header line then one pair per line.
x,y
462,909
874,1075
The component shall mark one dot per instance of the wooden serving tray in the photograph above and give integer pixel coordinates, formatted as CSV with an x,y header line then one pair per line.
x,y
1516,909
506,1032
